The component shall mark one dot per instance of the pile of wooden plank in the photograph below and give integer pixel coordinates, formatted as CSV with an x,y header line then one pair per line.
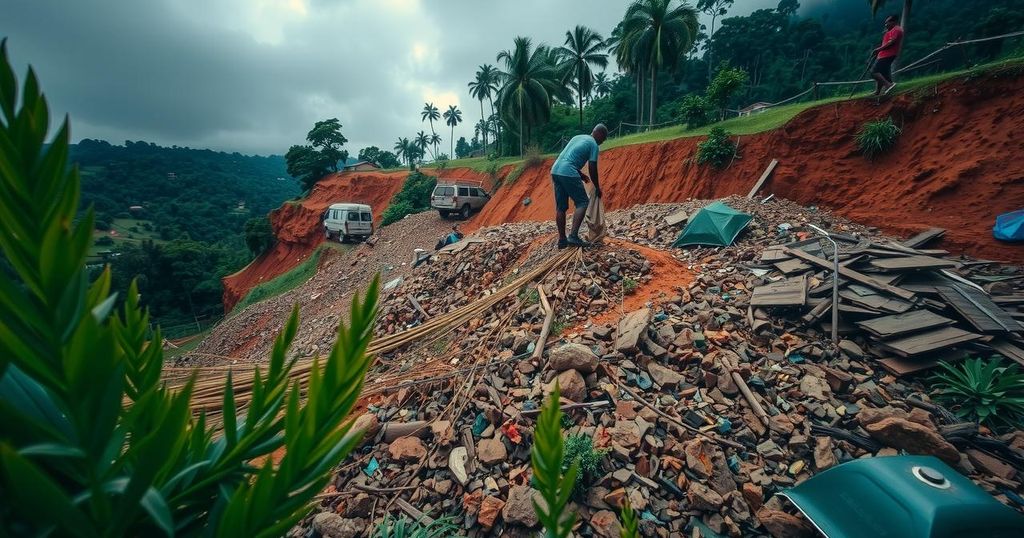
x,y
912,307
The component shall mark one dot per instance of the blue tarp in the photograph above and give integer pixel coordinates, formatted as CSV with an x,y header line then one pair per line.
x,y
1010,226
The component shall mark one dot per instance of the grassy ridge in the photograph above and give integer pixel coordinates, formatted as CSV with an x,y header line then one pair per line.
x,y
294,278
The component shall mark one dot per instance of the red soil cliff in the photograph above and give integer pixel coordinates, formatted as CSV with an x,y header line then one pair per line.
x,y
956,165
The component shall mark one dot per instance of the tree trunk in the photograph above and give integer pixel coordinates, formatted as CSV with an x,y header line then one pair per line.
x,y
640,97
654,86
497,129
520,124
485,124
451,143
711,52
904,17
579,92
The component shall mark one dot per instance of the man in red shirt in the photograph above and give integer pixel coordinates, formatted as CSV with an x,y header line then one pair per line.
x,y
892,42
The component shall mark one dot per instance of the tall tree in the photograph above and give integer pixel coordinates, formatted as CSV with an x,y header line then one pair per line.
x,y
403,149
583,48
877,5
326,137
435,139
658,33
483,87
431,114
422,140
602,86
529,83
453,117
714,8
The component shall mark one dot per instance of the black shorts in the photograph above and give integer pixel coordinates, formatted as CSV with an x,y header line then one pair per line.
x,y
569,187
883,66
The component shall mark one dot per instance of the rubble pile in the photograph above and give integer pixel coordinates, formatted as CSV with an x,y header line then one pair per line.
x,y
700,408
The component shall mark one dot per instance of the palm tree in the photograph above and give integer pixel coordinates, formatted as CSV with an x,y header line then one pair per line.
x,y
627,61
483,87
435,139
656,33
405,150
453,117
602,86
583,49
430,113
421,141
529,83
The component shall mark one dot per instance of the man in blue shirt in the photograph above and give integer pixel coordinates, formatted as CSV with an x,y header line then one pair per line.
x,y
568,178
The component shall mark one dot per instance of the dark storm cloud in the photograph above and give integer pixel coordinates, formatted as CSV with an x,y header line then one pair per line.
x,y
253,75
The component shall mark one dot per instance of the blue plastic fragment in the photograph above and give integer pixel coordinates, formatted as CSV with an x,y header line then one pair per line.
x,y
643,381
726,296
796,358
529,405
660,316
734,463
724,425
480,424
530,347
371,467
646,514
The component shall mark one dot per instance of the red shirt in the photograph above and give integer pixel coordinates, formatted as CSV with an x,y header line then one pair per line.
x,y
894,35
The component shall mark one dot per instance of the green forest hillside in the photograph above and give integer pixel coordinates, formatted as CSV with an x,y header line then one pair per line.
x,y
176,219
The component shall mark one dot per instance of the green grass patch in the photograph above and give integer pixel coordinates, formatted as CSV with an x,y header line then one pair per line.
x,y
196,339
288,281
121,232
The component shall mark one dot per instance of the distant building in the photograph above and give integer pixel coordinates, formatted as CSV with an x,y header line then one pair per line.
x,y
361,166
755,108
136,208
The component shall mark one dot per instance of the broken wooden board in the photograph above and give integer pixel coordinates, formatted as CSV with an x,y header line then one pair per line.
x,y
677,218
869,298
912,263
764,177
455,248
791,266
927,342
771,255
631,328
786,292
416,305
846,272
978,309
902,324
924,237
902,366
1008,350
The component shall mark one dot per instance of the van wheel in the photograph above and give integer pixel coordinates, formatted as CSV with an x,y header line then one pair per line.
x,y
327,234
342,238
464,213
443,213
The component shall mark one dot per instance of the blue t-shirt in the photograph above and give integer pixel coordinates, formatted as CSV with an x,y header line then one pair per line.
x,y
577,152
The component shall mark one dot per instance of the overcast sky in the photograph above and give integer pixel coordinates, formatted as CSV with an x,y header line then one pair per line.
x,y
254,75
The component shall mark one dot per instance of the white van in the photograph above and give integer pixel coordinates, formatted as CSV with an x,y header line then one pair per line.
x,y
348,221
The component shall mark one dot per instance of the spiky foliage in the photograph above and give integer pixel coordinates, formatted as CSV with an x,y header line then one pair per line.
x,y
530,82
602,85
630,523
547,455
654,35
92,442
431,114
717,149
422,141
484,86
877,137
984,392
453,117
583,49
403,527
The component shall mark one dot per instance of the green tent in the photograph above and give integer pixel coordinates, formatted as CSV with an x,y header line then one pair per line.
x,y
716,225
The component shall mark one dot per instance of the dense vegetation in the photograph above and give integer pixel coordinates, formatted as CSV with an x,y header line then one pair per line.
x,y
94,441
194,206
413,198
773,53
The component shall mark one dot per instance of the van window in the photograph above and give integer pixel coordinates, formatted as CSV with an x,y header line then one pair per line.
x,y
353,216
479,192
444,191
334,214
366,217
463,191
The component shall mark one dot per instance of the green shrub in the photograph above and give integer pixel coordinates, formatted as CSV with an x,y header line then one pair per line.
x,y
717,149
492,168
987,393
547,456
877,137
630,523
514,174
532,157
259,236
726,83
580,449
93,442
694,111
403,527
413,198
629,285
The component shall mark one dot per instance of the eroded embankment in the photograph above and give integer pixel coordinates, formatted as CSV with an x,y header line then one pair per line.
x,y
957,165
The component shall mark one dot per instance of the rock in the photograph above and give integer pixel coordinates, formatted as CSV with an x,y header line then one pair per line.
x,y
871,415
572,385
823,455
816,388
754,495
457,464
615,498
407,449
664,376
796,467
443,432
491,451
991,465
331,525
913,438
518,508
770,451
781,423
359,506
782,525
704,498
850,349
708,462
631,328
626,433
490,508
573,357
605,524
